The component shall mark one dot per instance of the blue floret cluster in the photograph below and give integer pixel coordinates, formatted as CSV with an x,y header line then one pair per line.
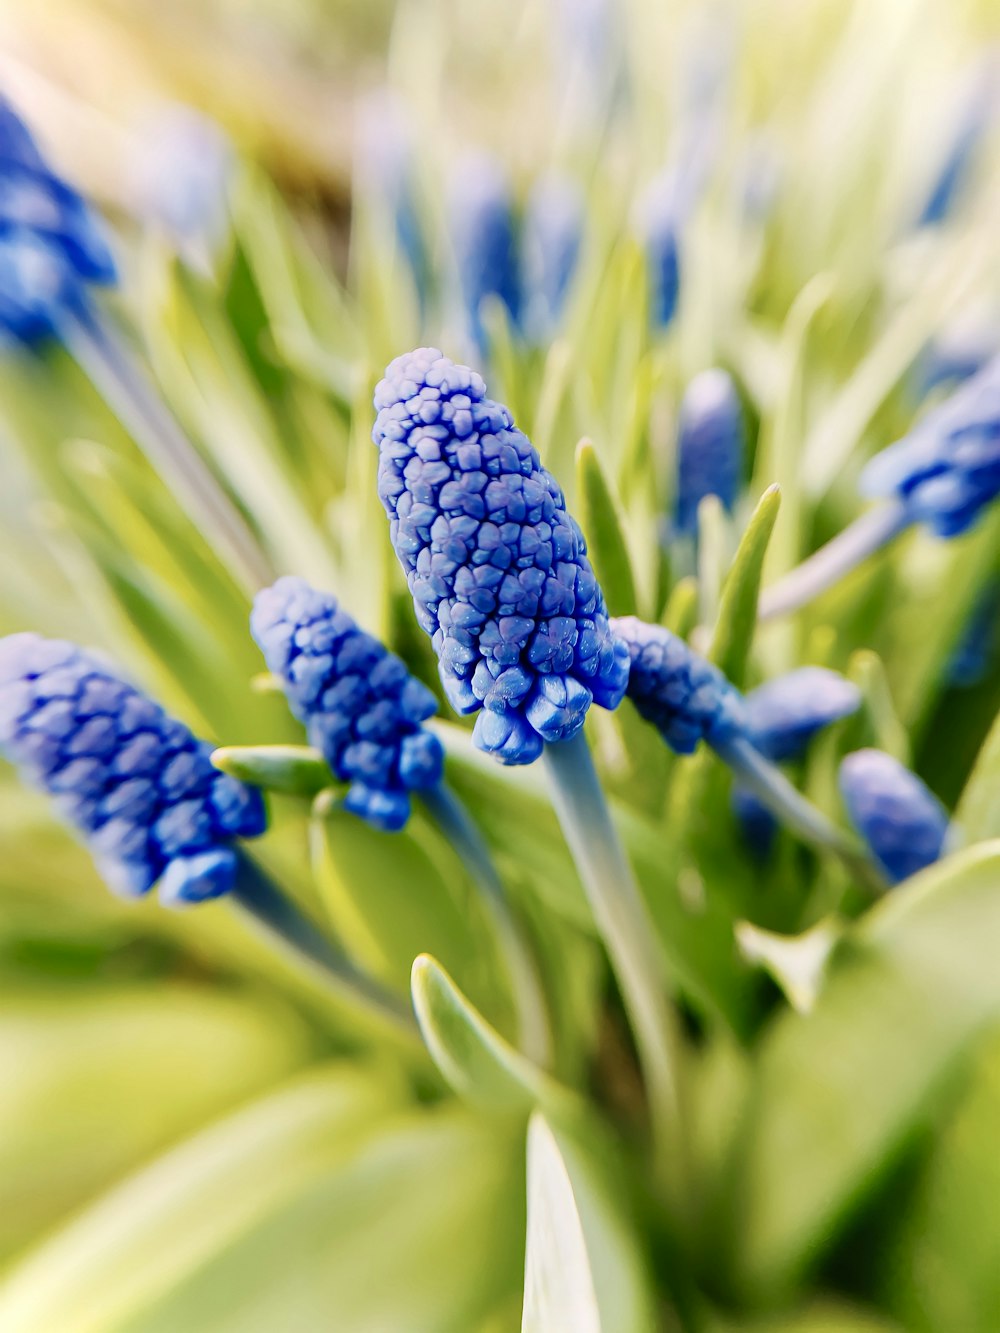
x,y
709,447
51,245
497,568
947,469
360,705
136,783
901,820
684,696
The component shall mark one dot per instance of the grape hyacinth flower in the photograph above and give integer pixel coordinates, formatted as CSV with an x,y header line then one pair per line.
x,y
135,782
364,712
689,700
384,166
142,791
976,116
660,212
500,580
782,717
942,474
481,212
709,447
553,228
497,568
902,822
52,251
976,650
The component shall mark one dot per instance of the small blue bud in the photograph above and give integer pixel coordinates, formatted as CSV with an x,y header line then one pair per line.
x,y
661,209
51,245
135,782
902,822
785,713
553,228
481,212
709,447
948,468
497,568
181,169
684,696
360,706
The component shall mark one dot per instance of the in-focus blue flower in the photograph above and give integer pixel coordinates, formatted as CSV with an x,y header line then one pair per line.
x,y
135,782
903,823
51,245
947,469
709,447
483,232
782,717
553,229
497,568
660,210
684,696
358,702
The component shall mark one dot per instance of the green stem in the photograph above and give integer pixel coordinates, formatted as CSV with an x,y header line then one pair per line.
x,y
126,388
630,937
455,822
260,898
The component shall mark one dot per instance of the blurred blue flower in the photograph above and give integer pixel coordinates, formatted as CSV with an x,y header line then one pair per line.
x,y
955,355
384,163
51,245
947,469
976,115
660,216
181,168
682,694
136,783
360,706
553,229
974,655
709,447
497,569
482,225
902,822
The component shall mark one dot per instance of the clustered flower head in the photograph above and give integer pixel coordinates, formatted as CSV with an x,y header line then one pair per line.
x,y
359,703
947,469
684,696
484,234
51,244
709,447
136,783
902,822
497,568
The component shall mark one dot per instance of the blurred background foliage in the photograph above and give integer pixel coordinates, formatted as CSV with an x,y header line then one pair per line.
x,y
193,1135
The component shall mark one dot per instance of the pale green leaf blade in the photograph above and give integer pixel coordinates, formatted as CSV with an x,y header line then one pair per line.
x,y
601,521
297,770
734,628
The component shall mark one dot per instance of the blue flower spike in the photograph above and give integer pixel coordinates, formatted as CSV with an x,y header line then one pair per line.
x,y
484,236
501,582
709,447
661,217
51,244
553,230
943,474
497,569
900,819
360,705
135,782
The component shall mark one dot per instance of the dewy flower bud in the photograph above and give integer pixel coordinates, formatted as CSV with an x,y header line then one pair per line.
x,y
497,568
358,702
481,211
902,822
709,447
684,696
51,245
948,468
553,226
137,784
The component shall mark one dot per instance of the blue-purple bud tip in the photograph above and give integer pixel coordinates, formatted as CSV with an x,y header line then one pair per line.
x,y
360,705
135,782
709,447
902,822
684,696
51,245
481,213
497,569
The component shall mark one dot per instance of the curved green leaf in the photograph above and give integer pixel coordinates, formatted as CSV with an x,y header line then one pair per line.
x,y
601,521
737,619
297,770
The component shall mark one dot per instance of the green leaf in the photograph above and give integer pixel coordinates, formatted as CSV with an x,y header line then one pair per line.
x,y
583,1266
737,619
796,963
977,815
836,1092
297,770
601,521
475,1059
868,672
